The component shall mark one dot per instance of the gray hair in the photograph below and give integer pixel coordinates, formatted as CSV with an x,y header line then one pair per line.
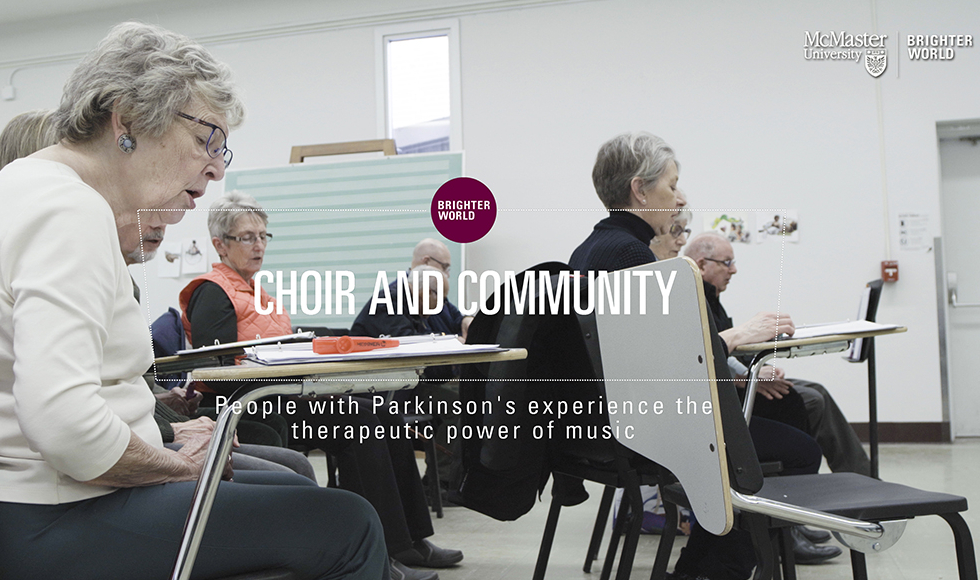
x,y
624,157
228,208
704,245
146,74
684,216
26,133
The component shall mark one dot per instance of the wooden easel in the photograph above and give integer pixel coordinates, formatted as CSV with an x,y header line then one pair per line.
x,y
300,152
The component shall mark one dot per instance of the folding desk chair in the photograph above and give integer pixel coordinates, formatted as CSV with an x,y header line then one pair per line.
x,y
564,362
866,514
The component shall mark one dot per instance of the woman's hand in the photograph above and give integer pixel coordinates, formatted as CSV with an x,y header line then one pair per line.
x,y
200,427
142,464
187,430
195,452
176,399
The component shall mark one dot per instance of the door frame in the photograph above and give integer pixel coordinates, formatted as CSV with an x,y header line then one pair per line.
x,y
942,317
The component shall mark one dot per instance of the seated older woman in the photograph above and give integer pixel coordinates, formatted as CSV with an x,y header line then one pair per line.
x,y
25,134
220,305
635,176
669,245
87,489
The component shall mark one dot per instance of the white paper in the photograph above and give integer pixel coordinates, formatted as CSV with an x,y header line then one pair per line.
x,y
913,232
303,352
854,327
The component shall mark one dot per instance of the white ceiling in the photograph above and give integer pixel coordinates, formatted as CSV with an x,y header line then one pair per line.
x,y
12,11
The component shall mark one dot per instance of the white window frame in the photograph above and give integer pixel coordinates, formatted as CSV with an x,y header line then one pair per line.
x,y
406,31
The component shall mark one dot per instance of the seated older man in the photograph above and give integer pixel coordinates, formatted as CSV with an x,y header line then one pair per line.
x,y
449,320
439,383
715,257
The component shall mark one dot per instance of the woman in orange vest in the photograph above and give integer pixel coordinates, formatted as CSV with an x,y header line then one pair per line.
x,y
220,305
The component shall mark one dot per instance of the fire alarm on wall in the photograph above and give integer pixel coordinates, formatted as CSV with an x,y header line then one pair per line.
x,y
889,270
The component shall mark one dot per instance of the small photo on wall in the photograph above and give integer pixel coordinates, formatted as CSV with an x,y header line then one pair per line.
x,y
194,257
168,260
777,226
733,226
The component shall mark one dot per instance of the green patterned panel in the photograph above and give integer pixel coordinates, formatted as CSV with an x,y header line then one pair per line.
x,y
360,216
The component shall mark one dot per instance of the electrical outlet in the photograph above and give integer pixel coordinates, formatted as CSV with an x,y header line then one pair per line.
x,y
8,93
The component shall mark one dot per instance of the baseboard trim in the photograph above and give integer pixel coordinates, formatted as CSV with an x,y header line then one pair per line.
x,y
906,432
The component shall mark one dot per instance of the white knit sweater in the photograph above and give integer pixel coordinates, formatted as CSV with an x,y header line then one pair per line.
x,y
73,345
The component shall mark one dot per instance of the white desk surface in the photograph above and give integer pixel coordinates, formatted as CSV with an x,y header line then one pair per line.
x,y
825,339
249,370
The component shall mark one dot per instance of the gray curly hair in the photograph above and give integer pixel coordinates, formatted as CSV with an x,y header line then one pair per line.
x,y
146,74
228,208
624,157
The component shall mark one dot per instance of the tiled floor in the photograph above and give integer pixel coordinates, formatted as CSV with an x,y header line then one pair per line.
x,y
507,550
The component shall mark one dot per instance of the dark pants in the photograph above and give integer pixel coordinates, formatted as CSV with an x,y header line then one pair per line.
x,y
260,521
830,428
432,392
731,557
383,471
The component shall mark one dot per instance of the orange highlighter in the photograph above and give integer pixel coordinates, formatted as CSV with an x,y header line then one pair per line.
x,y
349,344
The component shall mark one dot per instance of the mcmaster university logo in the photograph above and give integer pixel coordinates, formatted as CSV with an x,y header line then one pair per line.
x,y
875,61
844,46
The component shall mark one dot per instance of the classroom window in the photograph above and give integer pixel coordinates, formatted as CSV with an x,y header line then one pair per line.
x,y
419,90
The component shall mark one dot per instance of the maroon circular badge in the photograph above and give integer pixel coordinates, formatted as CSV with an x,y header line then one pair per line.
x,y
463,210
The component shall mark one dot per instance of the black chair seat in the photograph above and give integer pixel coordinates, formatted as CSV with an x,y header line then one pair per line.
x,y
859,497
849,495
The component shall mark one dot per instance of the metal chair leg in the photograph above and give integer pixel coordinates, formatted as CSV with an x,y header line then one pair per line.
x,y
547,539
966,559
776,540
859,567
602,516
432,474
613,547
666,543
786,551
761,542
631,493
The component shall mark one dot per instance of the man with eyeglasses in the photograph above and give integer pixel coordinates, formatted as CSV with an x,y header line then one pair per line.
x,y
429,252
824,420
801,404
715,256
440,383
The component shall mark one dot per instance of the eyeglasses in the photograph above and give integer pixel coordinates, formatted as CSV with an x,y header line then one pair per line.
x,y
677,229
727,263
250,239
445,266
217,145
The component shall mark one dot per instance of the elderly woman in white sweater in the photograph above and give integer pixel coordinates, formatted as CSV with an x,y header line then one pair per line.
x,y
87,490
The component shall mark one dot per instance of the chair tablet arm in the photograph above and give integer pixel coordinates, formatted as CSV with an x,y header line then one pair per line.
x,y
855,534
